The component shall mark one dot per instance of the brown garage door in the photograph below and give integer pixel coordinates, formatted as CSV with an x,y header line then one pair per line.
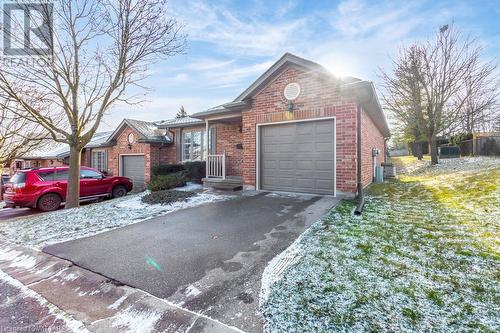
x,y
298,157
133,168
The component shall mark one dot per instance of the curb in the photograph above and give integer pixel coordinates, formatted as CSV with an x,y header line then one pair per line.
x,y
101,304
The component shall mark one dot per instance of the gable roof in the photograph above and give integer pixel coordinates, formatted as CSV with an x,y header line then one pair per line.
x,y
286,60
242,101
148,131
354,86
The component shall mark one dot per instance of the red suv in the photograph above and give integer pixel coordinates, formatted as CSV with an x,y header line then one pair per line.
x,y
45,188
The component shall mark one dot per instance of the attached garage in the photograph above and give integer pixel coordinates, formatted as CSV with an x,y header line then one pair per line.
x,y
132,166
297,157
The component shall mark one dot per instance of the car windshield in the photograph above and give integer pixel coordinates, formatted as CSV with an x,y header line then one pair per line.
x,y
18,178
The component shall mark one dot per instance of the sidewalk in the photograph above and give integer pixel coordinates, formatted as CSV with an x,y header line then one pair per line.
x,y
53,293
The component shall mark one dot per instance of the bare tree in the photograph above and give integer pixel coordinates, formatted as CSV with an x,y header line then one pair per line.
x,y
432,83
101,49
479,110
18,136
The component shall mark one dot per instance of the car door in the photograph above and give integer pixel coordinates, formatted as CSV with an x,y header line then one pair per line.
x,y
91,183
61,181
46,178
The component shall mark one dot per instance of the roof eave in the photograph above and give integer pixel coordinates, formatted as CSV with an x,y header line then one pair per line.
x,y
146,140
365,94
231,107
166,126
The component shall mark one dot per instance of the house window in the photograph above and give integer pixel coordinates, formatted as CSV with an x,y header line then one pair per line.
x,y
193,146
99,160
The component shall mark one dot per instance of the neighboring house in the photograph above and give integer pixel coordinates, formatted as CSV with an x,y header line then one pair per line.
x,y
94,155
294,129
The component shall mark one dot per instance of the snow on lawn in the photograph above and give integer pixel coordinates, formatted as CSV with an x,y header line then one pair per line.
x,y
423,257
66,224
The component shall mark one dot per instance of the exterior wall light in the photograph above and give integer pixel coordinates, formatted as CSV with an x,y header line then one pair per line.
x,y
291,92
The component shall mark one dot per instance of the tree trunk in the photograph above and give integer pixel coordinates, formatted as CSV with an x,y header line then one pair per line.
x,y
73,190
418,150
434,151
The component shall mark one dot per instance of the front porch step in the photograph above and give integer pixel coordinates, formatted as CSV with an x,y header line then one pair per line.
x,y
230,183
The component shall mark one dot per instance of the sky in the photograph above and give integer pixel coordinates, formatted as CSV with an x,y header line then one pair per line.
x,y
231,43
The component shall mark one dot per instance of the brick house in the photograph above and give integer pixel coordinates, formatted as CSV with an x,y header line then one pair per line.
x,y
293,129
136,146
93,155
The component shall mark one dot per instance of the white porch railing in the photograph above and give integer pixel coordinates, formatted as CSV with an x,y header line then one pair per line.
x,y
216,166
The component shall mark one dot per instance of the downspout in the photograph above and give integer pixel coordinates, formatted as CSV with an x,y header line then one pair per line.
x,y
360,197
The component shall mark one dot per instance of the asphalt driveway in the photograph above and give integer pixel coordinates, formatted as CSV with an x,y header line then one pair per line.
x,y
11,213
208,259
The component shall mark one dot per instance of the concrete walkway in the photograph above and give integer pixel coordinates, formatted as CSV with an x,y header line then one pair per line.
x,y
62,297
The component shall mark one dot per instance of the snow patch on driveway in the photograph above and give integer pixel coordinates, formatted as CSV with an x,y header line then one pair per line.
x,y
67,224
136,322
25,292
17,259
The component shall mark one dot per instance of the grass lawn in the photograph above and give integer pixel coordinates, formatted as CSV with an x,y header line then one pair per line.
x,y
425,257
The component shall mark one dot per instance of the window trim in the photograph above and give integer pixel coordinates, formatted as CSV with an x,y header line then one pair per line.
x,y
105,161
202,145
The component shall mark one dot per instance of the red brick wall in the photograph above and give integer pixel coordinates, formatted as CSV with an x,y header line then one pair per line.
x,y
87,157
371,137
228,137
319,98
121,148
154,154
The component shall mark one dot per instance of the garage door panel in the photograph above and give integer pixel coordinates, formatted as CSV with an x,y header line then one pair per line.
x,y
323,175
286,165
288,130
305,165
306,183
271,148
287,148
324,185
304,161
305,147
270,165
324,165
323,128
327,139
133,168
324,148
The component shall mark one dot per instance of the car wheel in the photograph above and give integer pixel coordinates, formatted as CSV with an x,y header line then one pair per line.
x,y
119,191
49,202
